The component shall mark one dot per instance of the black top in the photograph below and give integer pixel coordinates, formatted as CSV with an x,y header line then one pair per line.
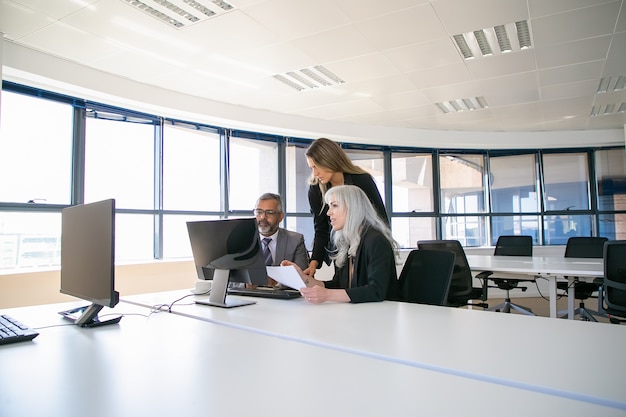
x,y
374,276
321,221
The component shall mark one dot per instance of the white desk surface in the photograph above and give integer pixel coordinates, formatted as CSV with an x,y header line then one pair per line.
x,y
538,265
570,358
548,267
172,365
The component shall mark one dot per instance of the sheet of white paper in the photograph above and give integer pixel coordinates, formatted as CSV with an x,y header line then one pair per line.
x,y
286,275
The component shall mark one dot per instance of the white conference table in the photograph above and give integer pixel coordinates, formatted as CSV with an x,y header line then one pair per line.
x,y
551,268
167,364
572,359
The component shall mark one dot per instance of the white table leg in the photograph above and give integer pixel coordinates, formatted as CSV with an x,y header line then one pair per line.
x,y
552,295
571,297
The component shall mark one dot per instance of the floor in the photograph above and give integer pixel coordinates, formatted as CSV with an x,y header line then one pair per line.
x,y
541,306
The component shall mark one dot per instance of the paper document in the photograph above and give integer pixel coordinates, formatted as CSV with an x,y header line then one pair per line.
x,y
286,275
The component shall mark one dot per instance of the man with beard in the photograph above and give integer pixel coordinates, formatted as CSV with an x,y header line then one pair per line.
x,y
282,244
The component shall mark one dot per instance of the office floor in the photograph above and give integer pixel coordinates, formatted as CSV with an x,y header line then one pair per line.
x,y
541,307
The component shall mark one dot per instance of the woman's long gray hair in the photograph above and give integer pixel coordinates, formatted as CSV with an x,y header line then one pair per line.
x,y
360,214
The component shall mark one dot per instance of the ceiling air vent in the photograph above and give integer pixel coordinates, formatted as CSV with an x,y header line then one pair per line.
x,y
309,78
180,13
494,40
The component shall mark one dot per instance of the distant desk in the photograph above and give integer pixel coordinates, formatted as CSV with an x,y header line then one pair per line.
x,y
549,267
472,343
172,365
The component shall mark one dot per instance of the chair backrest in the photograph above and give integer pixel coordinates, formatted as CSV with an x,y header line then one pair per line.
x,y
514,246
585,247
462,280
614,281
426,277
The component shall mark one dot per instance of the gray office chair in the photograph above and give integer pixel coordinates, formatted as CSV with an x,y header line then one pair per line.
x,y
510,246
462,291
426,277
612,292
583,247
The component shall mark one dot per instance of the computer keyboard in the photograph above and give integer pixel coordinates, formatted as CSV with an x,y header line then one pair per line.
x,y
266,292
12,331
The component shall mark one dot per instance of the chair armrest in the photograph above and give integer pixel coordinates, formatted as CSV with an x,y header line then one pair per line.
x,y
484,275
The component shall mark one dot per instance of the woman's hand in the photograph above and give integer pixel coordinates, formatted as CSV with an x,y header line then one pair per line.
x,y
310,271
319,294
308,280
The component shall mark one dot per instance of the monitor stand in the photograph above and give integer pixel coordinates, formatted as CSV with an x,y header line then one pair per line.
x,y
219,289
87,316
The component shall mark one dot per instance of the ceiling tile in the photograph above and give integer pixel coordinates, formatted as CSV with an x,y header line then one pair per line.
x,y
558,55
414,25
503,64
571,73
335,44
467,16
293,19
575,25
424,55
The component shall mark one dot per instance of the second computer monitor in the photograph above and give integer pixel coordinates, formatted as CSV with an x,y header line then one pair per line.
x,y
227,250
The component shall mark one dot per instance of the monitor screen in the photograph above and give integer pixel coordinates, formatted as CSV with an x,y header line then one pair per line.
x,y
88,260
227,250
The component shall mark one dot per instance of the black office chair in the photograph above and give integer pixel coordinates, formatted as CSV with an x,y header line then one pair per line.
x,y
426,277
510,246
612,292
583,247
462,290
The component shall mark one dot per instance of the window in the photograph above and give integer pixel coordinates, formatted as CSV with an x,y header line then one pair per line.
x,y
412,190
566,184
372,162
611,179
566,181
191,169
35,150
253,168
119,162
611,186
296,198
463,192
29,239
513,185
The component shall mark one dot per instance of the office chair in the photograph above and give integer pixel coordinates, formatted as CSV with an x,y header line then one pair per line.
x,y
612,292
510,246
583,247
426,277
461,291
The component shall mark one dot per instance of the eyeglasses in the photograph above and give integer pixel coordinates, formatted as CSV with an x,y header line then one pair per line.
x,y
268,213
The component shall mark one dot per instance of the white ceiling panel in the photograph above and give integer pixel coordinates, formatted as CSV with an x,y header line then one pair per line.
x,y
417,24
424,55
585,50
397,58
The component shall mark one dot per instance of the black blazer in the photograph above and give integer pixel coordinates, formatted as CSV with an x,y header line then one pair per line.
x,y
321,221
374,276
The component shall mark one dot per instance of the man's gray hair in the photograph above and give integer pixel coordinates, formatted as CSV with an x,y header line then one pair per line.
x,y
272,196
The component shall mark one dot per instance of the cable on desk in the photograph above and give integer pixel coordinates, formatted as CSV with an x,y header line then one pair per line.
x,y
157,308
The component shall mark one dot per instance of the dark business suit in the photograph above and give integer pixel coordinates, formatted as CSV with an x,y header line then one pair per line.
x,y
290,246
374,276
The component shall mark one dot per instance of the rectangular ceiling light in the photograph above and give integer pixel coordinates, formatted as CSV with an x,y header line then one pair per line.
x,y
310,78
611,84
462,104
494,40
607,109
180,13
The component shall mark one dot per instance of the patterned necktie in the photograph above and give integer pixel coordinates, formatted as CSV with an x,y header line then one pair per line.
x,y
267,255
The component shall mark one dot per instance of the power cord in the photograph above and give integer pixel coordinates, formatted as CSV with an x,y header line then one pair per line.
x,y
158,308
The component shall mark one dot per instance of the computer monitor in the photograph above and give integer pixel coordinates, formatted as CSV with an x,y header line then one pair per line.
x,y
88,260
227,251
